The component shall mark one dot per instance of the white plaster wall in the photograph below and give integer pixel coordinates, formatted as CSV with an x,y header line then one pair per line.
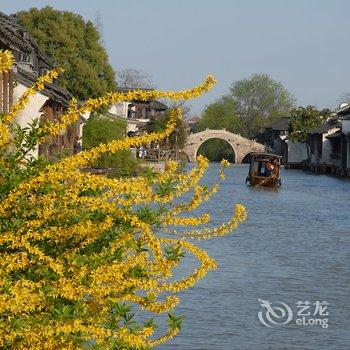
x,y
31,111
112,110
86,115
80,128
296,152
326,150
131,126
327,147
81,124
119,109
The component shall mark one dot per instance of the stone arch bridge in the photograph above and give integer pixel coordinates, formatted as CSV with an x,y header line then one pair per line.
x,y
241,146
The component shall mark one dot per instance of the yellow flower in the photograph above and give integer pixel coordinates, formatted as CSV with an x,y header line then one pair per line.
x,y
6,60
225,163
77,246
4,134
31,91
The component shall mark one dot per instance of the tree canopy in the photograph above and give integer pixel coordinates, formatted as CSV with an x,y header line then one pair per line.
x,y
260,100
216,150
101,129
177,138
251,104
303,120
221,114
73,44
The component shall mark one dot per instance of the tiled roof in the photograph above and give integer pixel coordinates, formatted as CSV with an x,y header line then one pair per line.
x,y
331,124
334,135
17,38
158,105
51,90
280,125
343,110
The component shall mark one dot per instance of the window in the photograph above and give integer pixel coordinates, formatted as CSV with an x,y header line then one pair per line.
x,y
24,57
262,169
131,111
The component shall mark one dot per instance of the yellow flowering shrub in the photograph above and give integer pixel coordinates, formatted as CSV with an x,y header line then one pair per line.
x,y
6,60
80,251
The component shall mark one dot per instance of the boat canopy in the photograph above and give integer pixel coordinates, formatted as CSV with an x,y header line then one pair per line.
x,y
262,157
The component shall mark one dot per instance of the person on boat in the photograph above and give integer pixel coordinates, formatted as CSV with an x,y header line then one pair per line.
x,y
272,167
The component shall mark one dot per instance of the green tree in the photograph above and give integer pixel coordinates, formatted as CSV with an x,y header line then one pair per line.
x,y
303,120
177,139
221,115
260,100
101,129
74,44
216,150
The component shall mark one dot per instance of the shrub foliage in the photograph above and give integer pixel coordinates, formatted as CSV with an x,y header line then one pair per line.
x,y
79,252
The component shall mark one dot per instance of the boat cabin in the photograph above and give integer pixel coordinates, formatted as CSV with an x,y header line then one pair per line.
x,y
264,170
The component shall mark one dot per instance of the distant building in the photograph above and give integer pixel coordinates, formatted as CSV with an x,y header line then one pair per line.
x,y
343,114
192,124
324,142
274,137
47,104
138,114
329,144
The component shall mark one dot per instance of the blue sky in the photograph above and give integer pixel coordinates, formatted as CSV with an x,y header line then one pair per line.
x,y
302,43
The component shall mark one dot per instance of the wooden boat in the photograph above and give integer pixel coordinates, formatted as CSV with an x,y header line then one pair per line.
x,y
264,170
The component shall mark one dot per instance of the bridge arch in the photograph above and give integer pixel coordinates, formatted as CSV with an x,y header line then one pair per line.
x,y
246,158
241,146
216,138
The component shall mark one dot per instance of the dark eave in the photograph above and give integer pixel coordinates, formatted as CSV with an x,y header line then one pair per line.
x,y
158,106
279,125
334,135
325,127
343,111
267,155
53,91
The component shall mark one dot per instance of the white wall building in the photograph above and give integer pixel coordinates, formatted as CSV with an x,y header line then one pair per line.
x,y
297,152
31,111
344,117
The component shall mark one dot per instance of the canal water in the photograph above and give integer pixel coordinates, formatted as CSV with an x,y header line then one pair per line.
x,y
294,247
